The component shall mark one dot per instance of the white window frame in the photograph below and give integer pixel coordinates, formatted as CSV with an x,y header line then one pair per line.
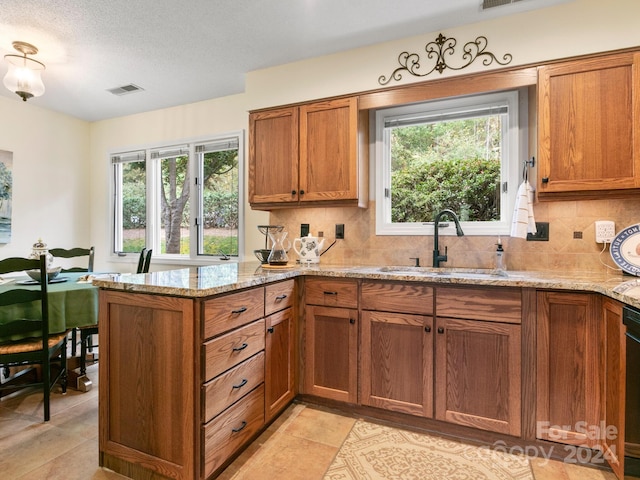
x,y
153,174
515,151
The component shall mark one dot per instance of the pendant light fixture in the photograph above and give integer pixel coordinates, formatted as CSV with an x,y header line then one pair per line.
x,y
23,77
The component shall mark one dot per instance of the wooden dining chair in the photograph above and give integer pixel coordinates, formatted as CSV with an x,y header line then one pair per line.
x,y
78,266
25,339
144,261
75,253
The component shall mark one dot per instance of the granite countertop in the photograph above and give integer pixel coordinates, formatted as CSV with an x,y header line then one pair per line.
x,y
197,282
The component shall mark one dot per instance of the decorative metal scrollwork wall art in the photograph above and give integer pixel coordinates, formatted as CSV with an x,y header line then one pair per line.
x,y
437,51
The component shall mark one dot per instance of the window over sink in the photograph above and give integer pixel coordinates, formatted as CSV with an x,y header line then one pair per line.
x,y
463,153
182,199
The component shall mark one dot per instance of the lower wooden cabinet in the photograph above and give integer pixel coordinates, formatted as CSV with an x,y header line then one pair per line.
x,y
331,353
280,362
615,388
570,353
478,374
231,429
396,352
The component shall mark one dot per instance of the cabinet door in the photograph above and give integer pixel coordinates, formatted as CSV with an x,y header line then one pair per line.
x,y
569,363
588,114
329,150
615,385
478,374
148,385
397,362
279,366
273,156
331,354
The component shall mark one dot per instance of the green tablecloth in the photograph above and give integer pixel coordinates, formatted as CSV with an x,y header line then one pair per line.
x,y
71,304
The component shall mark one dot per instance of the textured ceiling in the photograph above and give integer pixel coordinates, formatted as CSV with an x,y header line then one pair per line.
x,y
191,50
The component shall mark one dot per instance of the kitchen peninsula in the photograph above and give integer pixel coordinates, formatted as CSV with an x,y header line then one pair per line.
x,y
196,362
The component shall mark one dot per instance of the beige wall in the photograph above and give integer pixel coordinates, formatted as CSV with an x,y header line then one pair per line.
x,y
62,175
51,172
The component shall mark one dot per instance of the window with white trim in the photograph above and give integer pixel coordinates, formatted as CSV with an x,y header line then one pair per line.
x,y
181,200
463,153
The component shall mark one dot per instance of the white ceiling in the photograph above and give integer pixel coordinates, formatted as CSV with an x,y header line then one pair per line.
x,y
191,50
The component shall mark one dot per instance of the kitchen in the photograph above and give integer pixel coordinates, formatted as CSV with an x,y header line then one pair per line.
x,y
599,29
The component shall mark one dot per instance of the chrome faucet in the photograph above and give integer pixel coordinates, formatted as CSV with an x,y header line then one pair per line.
x,y
437,258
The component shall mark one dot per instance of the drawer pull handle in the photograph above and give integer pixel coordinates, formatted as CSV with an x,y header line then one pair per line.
x,y
281,297
241,347
270,329
241,384
330,293
240,428
427,329
240,310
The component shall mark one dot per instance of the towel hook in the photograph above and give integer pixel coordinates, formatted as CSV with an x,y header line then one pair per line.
x,y
527,164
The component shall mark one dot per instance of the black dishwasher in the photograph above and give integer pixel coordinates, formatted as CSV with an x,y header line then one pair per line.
x,y
631,318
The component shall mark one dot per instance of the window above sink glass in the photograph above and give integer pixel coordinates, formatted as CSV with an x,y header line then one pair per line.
x,y
463,153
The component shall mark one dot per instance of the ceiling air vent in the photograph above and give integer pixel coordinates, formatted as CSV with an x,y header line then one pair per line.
x,y
125,89
496,3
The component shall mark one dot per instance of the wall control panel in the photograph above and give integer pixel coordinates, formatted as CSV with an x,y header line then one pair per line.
x,y
605,231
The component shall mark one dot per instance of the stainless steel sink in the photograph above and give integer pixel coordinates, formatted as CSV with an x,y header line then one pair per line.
x,y
471,273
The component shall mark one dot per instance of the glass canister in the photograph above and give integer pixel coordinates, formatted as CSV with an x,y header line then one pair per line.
x,y
279,248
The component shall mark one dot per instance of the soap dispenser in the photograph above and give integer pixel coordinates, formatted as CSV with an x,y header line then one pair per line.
x,y
500,261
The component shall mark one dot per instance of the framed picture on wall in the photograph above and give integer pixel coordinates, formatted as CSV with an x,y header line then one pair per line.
x,y
6,188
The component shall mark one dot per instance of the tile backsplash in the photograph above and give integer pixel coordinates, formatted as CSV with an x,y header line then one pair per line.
x,y
361,246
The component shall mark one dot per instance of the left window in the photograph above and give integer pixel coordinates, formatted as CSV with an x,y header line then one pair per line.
x,y
182,200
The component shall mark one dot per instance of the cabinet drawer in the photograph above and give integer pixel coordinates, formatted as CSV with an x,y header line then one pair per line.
x,y
331,292
231,386
230,349
397,297
223,435
278,296
491,304
225,313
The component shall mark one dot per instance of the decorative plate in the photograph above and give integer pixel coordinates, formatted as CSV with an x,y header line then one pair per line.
x,y
625,249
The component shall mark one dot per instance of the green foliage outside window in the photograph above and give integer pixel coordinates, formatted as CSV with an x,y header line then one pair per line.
x,y
449,164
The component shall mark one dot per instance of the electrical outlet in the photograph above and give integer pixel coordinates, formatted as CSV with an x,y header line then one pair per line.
x,y
304,229
339,231
605,231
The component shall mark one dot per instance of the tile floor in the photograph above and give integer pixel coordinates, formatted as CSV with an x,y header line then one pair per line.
x,y
67,446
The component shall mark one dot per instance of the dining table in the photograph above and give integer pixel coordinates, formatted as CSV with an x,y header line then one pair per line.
x,y
72,303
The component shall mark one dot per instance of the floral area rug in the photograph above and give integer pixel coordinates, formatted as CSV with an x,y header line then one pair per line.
x,y
376,452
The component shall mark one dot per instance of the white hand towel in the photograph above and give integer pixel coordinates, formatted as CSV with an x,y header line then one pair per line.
x,y
523,221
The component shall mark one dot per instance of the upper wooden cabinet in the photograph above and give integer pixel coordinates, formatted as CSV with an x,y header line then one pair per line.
x,y
312,154
588,131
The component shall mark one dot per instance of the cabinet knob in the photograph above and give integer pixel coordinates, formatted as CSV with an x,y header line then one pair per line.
x,y
270,329
545,179
440,330
293,192
427,329
301,192
352,321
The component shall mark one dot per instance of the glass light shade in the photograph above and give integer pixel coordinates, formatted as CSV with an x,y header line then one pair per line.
x,y
23,76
